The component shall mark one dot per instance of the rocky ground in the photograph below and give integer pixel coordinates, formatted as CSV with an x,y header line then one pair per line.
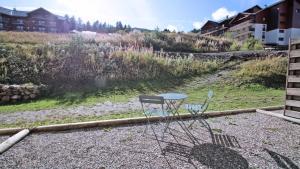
x,y
239,141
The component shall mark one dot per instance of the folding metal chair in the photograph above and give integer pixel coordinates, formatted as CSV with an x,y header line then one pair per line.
x,y
153,106
197,110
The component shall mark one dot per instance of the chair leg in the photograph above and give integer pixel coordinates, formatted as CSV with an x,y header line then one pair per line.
x,y
156,137
194,117
166,128
146,128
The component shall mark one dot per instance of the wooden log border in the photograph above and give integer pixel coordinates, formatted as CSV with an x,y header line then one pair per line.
x,y
123,122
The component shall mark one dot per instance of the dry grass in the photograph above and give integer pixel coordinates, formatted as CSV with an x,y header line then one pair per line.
x,y
268,71
183,42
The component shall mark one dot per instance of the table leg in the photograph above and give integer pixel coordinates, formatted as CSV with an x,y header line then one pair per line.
x,y
175,111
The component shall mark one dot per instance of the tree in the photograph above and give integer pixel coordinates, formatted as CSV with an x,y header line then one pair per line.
x,y
79,25
119,25
96,26
88,26
195,30
72,22
67,18
166,30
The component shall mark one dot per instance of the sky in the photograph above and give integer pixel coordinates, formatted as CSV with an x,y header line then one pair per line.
x,y
178,15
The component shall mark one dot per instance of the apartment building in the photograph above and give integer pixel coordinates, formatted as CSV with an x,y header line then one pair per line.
x,y
273,25
38,20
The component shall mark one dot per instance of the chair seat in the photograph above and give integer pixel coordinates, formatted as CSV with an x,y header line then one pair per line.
x,y
156,112
193,107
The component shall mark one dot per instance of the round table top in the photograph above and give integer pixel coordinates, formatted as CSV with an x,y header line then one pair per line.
x,y
173,96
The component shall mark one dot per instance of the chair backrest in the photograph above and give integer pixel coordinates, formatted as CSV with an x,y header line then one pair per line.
x,y
151,104
210,95
151,99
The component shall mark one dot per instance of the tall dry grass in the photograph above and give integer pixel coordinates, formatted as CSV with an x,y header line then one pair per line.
x,y
269,71
173,42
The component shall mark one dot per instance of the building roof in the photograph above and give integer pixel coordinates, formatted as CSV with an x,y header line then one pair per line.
x,y
279,2
250,10
13,12
18,13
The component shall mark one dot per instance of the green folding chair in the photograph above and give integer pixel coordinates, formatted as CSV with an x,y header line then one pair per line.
x,y
197,110
154,106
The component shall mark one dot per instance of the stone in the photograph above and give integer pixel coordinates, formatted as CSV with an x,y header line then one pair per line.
x,y
5,98
15,97
32,96
26,97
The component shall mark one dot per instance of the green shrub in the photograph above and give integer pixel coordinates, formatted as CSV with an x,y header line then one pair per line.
x,y
235,46
252,44
268,71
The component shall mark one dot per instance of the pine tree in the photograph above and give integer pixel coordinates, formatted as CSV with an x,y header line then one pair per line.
x,y
72,22
95,27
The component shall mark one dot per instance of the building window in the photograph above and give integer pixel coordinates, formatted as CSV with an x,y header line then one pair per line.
x,y
282,14
282,22
19,21
251,28
263,35
52,29
264,28
20,28
281,39
42,22
52,23
41,29
1,25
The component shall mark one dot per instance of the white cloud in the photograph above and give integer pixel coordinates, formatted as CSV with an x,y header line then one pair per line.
x,y
172,28
222,13
199,24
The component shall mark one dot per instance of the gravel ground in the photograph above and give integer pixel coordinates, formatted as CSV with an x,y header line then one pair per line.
x,y
240,141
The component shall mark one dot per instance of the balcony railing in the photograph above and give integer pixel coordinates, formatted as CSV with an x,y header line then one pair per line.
x,y
18,23
211,30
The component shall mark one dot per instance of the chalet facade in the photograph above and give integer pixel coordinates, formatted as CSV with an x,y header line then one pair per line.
x,y
273,25
39,20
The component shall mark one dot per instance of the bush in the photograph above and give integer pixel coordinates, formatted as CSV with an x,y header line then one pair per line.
x,y
235,46
252,44
270,72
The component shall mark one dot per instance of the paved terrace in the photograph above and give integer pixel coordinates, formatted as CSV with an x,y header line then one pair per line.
x,y
239,141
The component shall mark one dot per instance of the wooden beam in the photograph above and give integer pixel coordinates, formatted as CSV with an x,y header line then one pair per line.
x,y
279,115
13,140
292,113
293,78
292,103
294,66
293,91
295,53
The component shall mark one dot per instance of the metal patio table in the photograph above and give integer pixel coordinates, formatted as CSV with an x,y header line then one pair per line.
x,y
173,102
